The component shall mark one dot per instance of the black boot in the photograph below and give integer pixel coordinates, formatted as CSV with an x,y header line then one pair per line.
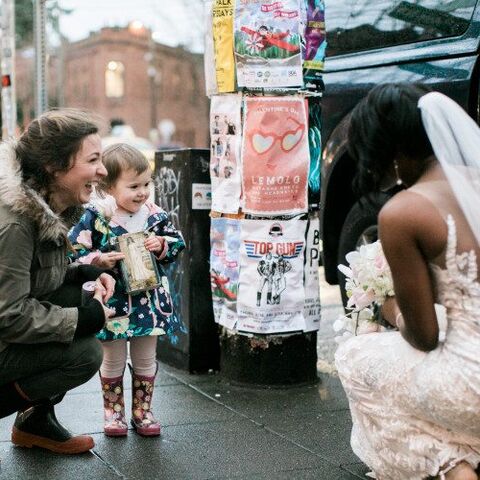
x,y
38,427
12,400
269,298
259,298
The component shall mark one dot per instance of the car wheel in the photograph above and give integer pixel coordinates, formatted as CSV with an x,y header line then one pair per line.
x,y
360,228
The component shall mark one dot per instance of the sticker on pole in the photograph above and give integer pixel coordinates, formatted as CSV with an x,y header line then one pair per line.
x,y
201,196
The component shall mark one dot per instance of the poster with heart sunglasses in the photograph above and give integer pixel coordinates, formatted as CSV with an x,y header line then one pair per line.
x,y
275,155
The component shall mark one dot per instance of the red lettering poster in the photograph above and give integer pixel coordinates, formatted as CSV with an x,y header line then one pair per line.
x,y
271,295
267,43
275,155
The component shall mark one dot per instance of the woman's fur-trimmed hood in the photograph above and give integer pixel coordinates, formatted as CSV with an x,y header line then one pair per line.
x,y
25,201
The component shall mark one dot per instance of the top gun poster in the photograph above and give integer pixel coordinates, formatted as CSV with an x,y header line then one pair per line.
x,y
267,43
271,295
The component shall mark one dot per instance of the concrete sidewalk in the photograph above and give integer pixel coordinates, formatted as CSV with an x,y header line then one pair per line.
x,y
211,430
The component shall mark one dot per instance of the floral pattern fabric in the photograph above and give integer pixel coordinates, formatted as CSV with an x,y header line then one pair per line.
x,y
146,313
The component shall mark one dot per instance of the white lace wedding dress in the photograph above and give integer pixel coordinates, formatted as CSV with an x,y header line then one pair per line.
x,y
413,412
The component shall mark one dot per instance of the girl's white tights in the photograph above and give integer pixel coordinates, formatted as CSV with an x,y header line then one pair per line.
x,y
142,353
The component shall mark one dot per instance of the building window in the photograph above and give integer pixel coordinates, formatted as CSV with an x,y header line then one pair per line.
x,y
115,79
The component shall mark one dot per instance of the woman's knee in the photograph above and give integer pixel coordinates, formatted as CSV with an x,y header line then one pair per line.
x,y
86,357
94,354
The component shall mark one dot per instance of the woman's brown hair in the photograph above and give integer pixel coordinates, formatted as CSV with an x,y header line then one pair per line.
x,y
50,143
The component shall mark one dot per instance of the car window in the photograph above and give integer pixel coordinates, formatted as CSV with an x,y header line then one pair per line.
x,y
356,25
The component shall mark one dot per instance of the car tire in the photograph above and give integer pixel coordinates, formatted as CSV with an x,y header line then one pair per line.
x,y
359,228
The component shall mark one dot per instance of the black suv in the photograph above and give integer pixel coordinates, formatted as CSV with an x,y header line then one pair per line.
x,y
435,42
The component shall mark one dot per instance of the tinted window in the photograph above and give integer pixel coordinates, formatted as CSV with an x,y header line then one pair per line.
x,y
355,25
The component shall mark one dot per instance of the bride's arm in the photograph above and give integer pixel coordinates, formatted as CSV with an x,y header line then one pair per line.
x,y
410,229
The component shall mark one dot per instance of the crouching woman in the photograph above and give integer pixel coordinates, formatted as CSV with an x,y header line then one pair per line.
x,y
47,340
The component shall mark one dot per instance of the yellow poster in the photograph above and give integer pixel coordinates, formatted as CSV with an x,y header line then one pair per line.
x,y
223,45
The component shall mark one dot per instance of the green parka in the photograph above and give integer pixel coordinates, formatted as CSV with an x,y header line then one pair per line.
x,y
33,261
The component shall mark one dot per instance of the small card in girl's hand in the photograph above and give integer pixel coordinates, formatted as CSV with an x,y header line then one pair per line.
x,y
139,268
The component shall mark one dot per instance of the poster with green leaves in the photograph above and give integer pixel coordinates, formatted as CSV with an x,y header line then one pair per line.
x,y
267,43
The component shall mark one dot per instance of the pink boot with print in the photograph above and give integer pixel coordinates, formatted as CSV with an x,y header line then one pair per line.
x,y
115,424
142,417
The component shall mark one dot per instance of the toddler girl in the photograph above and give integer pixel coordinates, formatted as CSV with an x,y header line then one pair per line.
x,y
123,207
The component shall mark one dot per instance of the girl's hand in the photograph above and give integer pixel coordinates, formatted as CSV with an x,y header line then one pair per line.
x,y
108,260
157,245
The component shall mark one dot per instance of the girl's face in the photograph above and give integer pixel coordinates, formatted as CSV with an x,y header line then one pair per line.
x,y
131,190
74,186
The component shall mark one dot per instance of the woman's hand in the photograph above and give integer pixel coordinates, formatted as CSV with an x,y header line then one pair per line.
x,y
108,282
157,245
108,260
103,291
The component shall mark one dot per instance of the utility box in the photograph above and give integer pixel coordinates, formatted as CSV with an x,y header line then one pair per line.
x,y
182,189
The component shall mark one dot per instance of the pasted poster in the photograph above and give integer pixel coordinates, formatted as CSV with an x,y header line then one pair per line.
x,y
225,135
209,54
271,294
223,45
314,40
315,146
312,308
267,43
201,196
275,155
224,269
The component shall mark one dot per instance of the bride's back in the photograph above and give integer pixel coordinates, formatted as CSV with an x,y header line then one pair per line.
x,y
439,193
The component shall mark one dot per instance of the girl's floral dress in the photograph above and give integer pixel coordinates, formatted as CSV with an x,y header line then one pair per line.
x,y
146,313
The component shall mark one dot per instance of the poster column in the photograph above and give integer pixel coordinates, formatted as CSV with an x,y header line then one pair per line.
x,y
265,172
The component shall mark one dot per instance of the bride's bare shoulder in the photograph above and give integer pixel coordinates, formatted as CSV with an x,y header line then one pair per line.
x,y
409,211
407,204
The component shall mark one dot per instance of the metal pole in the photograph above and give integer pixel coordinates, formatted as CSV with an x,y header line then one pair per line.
x,y
41,97
9,100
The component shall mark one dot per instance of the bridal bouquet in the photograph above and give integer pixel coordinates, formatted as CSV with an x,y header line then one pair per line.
x,y
368,284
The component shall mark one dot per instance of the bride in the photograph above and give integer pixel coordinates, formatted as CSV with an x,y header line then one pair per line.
x,y
415,401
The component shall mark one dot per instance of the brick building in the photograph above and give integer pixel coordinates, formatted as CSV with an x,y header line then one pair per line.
x,y
123,73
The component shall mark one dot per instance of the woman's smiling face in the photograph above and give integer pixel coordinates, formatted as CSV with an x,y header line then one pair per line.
x,y
75,186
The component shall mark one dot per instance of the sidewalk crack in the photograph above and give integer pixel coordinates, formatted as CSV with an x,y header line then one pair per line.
x,y
109,465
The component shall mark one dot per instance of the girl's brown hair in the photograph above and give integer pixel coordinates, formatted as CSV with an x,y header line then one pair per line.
x,y
118,158
50,143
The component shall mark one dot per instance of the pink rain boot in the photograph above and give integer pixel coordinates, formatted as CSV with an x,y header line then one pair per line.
x,y
115,424
142,417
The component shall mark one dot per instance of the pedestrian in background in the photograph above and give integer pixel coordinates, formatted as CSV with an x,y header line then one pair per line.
x,y
139,318
47,342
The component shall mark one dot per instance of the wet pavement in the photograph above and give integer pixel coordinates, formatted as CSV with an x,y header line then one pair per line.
x,y
211,429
